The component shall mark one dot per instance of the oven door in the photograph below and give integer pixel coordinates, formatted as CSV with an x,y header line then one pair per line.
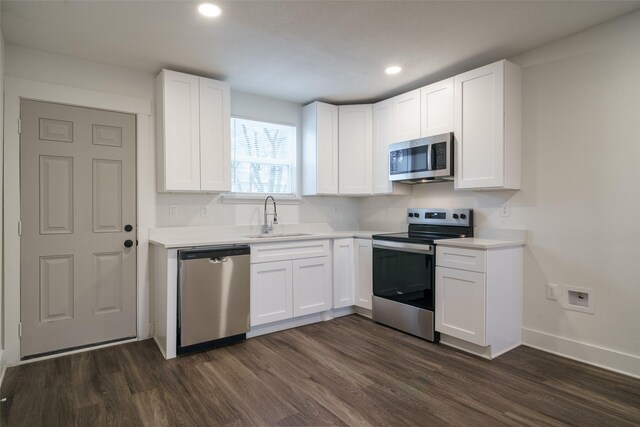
x,y
404,272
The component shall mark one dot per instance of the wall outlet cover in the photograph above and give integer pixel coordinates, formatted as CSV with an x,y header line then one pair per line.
x,y
505,209
553,292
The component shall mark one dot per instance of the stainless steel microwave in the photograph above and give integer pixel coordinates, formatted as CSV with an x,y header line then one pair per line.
x,y
427,159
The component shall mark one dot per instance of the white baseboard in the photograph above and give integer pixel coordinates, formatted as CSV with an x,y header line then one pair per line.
x,y
363,311
281,325
601,357
345,311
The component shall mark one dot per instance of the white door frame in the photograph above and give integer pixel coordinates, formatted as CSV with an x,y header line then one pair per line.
x,y
17,89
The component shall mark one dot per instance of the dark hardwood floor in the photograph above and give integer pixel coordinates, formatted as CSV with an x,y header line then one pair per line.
x,y
349,371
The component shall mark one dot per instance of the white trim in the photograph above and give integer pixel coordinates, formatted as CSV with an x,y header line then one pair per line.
x,y
285,324
14,90
606,358
3,367
258,198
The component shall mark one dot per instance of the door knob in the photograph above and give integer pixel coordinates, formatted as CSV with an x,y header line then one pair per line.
x,y
128,243
128,227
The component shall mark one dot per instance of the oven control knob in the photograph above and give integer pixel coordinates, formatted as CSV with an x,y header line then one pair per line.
x,y
463,216
455,216
410,215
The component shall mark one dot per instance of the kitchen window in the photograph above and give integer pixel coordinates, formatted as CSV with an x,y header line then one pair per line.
x,y
263,157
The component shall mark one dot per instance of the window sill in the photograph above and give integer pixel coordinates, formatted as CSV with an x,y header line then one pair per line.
x,y
258,198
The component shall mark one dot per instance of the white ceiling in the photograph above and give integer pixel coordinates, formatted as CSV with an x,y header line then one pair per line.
x,y
302,50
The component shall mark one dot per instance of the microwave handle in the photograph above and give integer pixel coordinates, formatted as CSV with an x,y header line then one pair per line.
x,y
429,157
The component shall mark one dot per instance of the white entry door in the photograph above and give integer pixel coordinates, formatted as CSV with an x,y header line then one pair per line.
x,y
78,216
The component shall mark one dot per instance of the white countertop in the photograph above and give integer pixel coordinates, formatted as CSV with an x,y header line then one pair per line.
x,y
479,243
169,242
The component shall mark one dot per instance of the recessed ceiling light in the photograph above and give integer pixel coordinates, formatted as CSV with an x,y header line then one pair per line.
x,y
393,69
209,10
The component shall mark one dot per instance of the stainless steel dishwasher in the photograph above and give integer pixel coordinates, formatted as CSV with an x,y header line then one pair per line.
x,y
213,297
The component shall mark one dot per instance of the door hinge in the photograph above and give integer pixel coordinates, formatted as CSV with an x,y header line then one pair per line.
x,y
19,330
19,228
19,125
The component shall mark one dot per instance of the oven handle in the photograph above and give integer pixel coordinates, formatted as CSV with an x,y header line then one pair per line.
x,y
403,247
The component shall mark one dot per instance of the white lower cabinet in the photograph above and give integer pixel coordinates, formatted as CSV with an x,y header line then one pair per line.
x,y
271,292
311,285
343,273
479,298
363,273
289,280
460,304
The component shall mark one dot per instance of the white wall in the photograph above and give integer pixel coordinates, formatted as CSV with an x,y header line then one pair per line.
x,y
63,70
340,212
580,194
31,65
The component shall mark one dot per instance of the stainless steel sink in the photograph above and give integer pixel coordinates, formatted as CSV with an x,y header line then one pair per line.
x,y
271,235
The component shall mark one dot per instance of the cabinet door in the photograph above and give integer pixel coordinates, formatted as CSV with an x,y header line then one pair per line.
x,y
382,124
355,146
461,304
215,157
181,131
271,292
436,108
406,116
327,148
311,285
479,127
343,273
363,273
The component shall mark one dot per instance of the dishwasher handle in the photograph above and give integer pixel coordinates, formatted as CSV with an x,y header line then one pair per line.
x,y
213,252
218,260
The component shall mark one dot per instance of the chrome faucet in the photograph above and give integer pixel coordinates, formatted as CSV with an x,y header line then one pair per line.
x,y
268,228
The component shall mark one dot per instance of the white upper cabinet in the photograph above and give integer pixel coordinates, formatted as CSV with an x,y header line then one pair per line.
x,y
193,126
215,117
319,149
487,122
382,137
436,108
355,149
406,116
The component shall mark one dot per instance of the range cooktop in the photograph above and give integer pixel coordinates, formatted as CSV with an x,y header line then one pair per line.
x,y
428,225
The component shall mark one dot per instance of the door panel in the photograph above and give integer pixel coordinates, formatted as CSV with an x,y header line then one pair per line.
x,y
107,196
77,189
56,195
56,288
107,269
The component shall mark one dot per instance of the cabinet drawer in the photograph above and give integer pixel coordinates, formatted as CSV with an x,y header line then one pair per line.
x,y
268,252
461,258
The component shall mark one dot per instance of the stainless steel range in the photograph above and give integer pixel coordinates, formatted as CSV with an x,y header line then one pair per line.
x,y
404,269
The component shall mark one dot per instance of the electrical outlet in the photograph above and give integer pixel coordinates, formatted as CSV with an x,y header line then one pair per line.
x,y
505,209
173,210
552,291
204,211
